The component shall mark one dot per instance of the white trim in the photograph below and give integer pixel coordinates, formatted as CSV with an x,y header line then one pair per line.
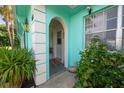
x,y
101,31
119,28
65,43
108,19
66,47
54,43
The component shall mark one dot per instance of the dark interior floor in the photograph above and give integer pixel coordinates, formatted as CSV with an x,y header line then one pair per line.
x,y
56,68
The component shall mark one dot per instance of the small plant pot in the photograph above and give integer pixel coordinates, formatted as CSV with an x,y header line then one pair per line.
x,y
9,85
6,85
72,69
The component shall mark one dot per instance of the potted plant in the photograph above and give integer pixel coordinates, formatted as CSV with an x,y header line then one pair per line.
x,y
72,69
15,66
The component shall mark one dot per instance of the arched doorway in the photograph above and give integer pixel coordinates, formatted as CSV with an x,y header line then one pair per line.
x,y
57,60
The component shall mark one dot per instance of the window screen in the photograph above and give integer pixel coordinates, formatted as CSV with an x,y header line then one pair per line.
x,y
123,17
122,21
123,28
111,13
123,39
112,24
111,18
111,39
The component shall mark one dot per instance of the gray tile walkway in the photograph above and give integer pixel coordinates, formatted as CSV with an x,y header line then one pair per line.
x,y
54,69
63,80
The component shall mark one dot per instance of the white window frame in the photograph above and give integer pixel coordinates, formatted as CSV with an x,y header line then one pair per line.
x,y
122,26
119,29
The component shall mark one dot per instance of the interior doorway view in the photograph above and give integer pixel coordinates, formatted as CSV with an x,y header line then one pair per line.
x,y
56,47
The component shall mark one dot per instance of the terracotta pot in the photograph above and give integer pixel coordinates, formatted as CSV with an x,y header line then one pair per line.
x,y
9,85
6,85
72,69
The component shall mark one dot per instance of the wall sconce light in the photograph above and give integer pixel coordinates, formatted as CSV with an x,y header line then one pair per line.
x,y
26,25
89,9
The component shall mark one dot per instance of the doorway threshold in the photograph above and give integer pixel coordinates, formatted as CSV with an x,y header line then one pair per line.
x,y
57,73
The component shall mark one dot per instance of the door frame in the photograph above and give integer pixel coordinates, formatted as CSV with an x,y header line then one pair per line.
x,y
65,39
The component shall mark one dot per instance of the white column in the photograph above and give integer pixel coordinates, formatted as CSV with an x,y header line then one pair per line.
x,y
119,28
39,42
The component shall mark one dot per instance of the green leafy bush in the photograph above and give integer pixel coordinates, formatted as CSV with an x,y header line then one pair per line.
x,y
4,39
100,68
15,66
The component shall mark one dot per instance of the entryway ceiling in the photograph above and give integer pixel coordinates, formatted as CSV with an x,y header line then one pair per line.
x,y
75,8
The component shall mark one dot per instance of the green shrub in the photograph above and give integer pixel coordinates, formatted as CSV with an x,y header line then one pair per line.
x,y
15,66
99,68
4,39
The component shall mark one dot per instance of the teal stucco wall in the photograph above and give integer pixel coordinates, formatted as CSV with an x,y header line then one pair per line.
x,y
22,12
77,33
74,24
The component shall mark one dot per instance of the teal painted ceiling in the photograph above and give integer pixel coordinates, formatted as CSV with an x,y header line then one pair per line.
x,y
22,10
75,8
69,9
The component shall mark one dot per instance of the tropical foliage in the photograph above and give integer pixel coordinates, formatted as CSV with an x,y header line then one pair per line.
x,y
7,13
15,66
100,68
4,39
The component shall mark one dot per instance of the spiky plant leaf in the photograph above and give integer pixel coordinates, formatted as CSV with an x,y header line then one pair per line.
x,y
15,65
